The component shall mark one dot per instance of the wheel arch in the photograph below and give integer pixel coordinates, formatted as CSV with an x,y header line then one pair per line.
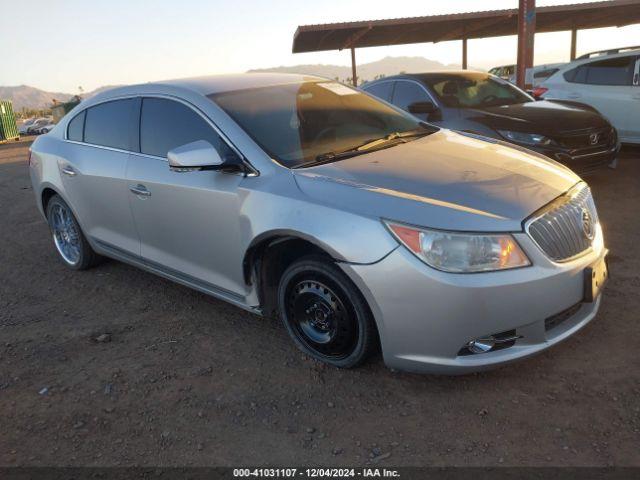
x,y
45,196
270,253
47,192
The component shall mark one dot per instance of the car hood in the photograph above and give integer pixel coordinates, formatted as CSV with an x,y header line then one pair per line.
x,y
543,117
446,180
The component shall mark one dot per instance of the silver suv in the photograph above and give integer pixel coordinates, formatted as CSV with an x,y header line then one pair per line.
x,y
358,225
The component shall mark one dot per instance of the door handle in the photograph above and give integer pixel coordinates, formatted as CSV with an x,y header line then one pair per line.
x,y
573,95
67,170
140,189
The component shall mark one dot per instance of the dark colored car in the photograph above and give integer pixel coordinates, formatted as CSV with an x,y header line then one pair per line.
x,y
474,102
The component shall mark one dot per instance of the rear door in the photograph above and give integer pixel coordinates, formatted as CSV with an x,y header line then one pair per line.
x,y
94,170
189,222
607,85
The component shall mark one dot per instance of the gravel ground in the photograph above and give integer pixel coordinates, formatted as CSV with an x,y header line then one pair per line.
x,y
115,366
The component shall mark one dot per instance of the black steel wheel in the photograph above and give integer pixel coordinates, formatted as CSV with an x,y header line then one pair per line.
x,y
325,314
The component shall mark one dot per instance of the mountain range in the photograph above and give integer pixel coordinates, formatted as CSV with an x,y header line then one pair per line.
x,y
366,71
24,96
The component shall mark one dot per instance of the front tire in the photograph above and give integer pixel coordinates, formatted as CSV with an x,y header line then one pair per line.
x,y
325,314
70,242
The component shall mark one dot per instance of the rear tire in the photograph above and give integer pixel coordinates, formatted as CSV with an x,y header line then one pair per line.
x,y
325,314
70,242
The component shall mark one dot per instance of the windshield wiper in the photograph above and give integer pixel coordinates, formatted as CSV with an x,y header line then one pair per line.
x,y
387,141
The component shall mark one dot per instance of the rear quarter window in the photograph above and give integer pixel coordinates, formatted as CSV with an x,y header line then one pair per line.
x,y
545,73
75,130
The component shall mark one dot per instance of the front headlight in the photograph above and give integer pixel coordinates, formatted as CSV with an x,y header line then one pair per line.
x,y
461,252
525,138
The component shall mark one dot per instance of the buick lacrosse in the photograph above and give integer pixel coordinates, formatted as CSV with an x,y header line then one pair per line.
x,y
359,226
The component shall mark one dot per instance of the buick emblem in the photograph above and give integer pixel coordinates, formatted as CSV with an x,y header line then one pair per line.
x,y
593,138
587,225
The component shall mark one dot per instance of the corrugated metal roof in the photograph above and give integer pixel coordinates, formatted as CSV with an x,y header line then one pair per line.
x,y
456,26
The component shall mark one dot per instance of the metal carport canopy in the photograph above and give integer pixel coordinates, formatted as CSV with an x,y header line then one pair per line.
x,y
460,26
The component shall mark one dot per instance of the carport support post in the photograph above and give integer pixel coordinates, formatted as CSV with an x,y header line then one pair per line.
x,y
354,75
464,53
526,31
574,38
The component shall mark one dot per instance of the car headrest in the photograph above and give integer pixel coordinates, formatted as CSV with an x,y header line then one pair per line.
x,y
450,88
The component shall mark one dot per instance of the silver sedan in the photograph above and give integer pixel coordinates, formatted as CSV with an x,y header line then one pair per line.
x,y
360,227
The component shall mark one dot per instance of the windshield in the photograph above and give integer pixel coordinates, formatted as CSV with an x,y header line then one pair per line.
x,y
476,90
298,123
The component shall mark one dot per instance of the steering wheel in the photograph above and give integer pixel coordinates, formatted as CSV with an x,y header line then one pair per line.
x,y
489,98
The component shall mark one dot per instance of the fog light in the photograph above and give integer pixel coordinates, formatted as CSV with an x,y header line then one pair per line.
x,y
481,345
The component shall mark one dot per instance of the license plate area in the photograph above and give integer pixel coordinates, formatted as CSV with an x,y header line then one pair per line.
x,y
595,277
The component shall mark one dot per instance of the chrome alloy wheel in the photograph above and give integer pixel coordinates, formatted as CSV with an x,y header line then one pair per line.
x,y
65,234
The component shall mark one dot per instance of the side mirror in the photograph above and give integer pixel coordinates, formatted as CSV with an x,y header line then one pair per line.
x,y
422,107
198,155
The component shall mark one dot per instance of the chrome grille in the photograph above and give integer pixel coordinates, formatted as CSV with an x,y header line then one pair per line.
x,y
560,229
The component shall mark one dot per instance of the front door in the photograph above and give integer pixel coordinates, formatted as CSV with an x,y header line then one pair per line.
x,y
407,92
189,222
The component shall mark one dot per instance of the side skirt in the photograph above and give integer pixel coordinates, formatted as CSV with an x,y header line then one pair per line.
x,y
109,250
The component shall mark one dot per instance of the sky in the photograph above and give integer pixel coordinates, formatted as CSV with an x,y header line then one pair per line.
x,y
61,45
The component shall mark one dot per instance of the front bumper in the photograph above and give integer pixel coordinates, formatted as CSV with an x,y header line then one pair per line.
x,y
425,317
583,161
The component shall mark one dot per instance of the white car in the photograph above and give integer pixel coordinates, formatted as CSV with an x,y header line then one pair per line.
x,y
506,72
35,127
534,76
609,82
24,127
45,129
538,74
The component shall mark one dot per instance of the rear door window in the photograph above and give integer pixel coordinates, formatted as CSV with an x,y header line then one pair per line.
x,y
615,71
75,130
405,93
109,124
167,124
612,71
381,90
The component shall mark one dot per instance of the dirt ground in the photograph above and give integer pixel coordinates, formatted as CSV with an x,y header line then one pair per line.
x,y
189,380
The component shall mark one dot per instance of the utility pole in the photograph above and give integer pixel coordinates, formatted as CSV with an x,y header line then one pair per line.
x,y
526,32
354,74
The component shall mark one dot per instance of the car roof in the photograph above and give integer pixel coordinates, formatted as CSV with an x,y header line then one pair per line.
x,y
431,76
545,66
212,84
631,53
208,85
